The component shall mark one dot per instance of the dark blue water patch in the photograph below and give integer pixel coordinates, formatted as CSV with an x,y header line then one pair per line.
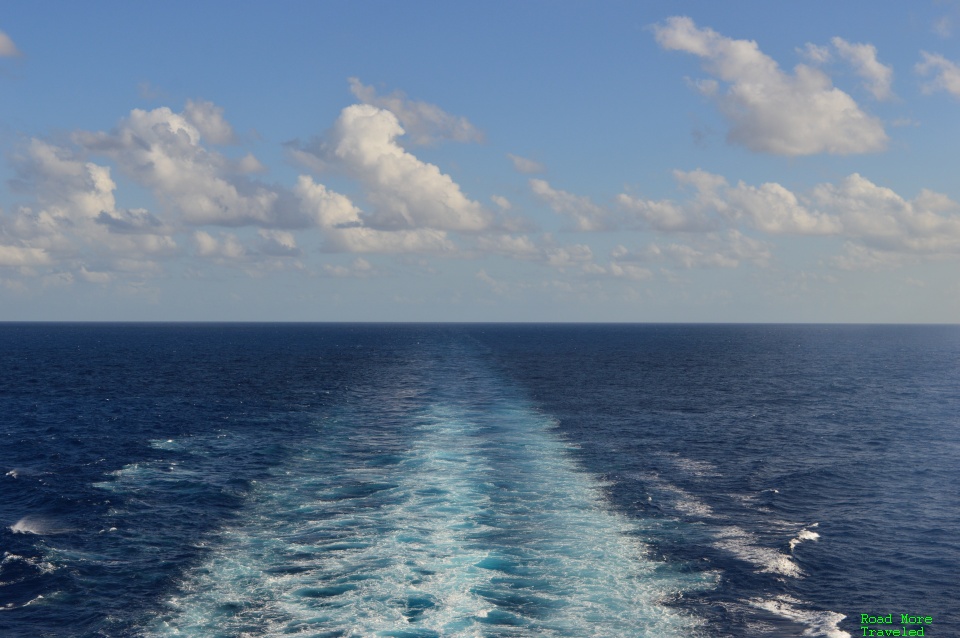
x,y
325,592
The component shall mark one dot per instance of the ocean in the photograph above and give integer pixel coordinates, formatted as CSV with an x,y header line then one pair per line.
x,y
498,480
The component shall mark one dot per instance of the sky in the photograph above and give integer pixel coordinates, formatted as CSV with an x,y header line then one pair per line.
x,y
480,161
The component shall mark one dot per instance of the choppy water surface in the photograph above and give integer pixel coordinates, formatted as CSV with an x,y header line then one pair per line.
x,y
378,480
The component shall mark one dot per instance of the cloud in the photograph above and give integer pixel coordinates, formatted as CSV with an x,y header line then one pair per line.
x,y
513,246
134,221
880,218
346,228
371,240
585,214
863,59
14,256
278,243
359,267
208,120
626,270
62,182
661,215
406,192
726,250
74,216
522,247
669,216
943,26
946,74
774,209
227,248
326,208
498,286
162,150
424,123
815,53
569,256
859,257
95,276
414,203
770,208
7,48
249,164
524,165
854,208
771,111
272,250
502,202
149,91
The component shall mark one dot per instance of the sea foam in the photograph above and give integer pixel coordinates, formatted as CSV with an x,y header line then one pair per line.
x,y
485,523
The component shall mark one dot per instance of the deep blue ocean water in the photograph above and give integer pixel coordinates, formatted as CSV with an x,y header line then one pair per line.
x,y
477,480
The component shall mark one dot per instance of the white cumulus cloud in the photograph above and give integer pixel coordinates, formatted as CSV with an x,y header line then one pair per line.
x,y
227,248
326,208
208,119
880,218
770,208
406,192
162,150
769,110
73,216
424,123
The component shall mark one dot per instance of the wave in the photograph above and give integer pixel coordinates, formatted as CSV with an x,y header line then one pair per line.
x,y
745,546
39,526
805,534
819,623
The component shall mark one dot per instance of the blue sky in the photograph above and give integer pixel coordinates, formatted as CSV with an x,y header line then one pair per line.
x,y
535,161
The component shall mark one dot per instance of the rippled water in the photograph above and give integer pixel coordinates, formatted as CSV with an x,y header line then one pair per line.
x,y
365,480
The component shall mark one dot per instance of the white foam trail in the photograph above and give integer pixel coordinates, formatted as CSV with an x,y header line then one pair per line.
x,y
744,546
485,526
819,623
686,503
691,466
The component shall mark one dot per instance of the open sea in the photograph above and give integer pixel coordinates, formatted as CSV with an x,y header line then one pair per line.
x,y
417,481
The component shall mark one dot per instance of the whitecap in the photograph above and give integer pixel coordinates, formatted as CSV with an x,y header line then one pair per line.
x,y
805,535
38,525
744,546
819,623
10,606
